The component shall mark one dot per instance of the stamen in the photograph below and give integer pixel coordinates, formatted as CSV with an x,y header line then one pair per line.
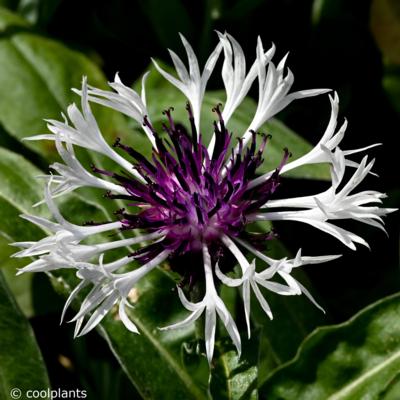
x,y
198,208
169,116
193,127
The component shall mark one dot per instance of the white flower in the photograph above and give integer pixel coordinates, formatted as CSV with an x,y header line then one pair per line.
x,y
191,200
237,83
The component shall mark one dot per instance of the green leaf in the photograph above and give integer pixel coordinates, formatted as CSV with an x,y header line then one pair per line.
x,y
235,378
385,27
36,76
358,359
19,189
38,12
391,85
21,364
327,9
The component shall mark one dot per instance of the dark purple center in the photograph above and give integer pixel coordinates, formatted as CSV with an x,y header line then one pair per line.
x,y
190,196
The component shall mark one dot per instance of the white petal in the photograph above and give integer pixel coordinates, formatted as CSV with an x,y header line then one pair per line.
x,y
232,282
231,328
186,322
186,303
263,303
246,302
308,294
276,287
99,314
71,297
125,319
94,298
209,332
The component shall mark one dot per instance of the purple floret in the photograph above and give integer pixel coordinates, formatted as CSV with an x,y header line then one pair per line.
x,y
190,196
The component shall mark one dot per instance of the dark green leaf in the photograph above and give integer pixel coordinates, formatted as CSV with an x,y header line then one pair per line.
x,y
19,189
235,378
21,364
359,359
38,12
391,85
327,9
385,26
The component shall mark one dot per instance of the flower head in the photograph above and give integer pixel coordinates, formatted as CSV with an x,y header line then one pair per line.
x,y
193,198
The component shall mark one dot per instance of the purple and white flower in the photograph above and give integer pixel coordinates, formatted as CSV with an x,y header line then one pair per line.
x,y
194,198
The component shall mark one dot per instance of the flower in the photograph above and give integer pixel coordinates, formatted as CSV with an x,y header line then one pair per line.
x,y
193,198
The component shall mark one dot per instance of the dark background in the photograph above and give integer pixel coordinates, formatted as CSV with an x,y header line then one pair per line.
x,y
349,46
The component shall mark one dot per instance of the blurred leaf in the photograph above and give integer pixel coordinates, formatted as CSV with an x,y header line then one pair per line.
x,y
326,9
19,189
294,318
385,27
21,364
97,373
235,378
392,390
391,85
194,361
7,3
38,12
36,76
357,359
